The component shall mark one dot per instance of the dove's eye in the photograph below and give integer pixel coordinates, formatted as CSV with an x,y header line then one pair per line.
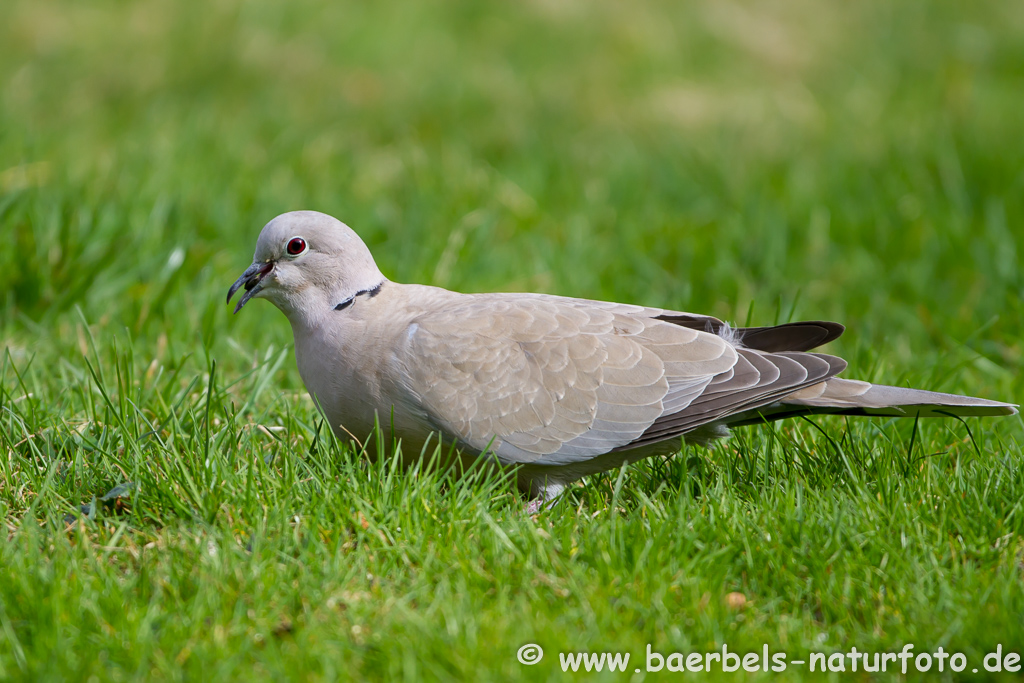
x,y
296,246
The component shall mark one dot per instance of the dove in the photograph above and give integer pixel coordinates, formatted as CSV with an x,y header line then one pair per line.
x,y
557,387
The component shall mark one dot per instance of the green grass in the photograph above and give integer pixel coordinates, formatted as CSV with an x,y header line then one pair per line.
x,y
768,161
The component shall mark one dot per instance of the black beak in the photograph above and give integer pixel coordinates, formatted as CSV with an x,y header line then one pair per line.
x,y
252,280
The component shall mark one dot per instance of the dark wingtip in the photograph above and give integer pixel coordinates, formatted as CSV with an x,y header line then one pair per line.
x,y
835,329
800,336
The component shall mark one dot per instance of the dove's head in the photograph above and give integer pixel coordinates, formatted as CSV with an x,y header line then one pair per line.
x,y
307,263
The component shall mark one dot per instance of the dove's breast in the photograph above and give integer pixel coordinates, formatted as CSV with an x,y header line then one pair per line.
x,y
336,381
349,370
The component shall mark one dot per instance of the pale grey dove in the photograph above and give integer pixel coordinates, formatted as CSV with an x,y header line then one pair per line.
x,y
560,387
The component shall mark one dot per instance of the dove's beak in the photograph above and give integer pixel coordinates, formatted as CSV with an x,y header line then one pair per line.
x,y
252,280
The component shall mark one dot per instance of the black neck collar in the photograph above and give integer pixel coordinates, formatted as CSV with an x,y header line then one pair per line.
x,y
370,293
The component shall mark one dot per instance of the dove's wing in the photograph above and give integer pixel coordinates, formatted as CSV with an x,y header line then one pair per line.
x,y
551,381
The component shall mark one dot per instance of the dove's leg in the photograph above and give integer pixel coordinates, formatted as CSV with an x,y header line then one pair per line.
x,y
548,495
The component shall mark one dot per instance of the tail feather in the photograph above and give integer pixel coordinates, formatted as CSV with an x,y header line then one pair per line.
x,y
879,399
852,397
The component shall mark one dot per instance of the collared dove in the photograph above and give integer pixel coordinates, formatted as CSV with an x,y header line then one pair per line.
x,y
559,387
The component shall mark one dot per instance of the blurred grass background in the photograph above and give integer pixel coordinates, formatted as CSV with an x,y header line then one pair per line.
x,y
769,160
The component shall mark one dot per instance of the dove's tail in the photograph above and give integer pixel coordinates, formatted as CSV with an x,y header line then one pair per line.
x,y
852,397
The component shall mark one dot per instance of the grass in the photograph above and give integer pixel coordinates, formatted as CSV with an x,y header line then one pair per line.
x,y
761,160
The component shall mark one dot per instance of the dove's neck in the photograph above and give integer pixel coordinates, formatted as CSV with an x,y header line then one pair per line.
x,y
314,307
369,293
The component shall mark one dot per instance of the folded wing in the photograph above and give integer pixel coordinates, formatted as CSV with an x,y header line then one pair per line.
x,y
549,380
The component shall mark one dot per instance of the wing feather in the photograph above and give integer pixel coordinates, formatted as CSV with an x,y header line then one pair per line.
x,y
778,375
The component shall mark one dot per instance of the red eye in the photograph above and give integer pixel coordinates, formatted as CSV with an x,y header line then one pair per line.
x,y
296,246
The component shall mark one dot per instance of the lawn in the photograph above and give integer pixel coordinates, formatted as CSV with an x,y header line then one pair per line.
x,y
172,506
